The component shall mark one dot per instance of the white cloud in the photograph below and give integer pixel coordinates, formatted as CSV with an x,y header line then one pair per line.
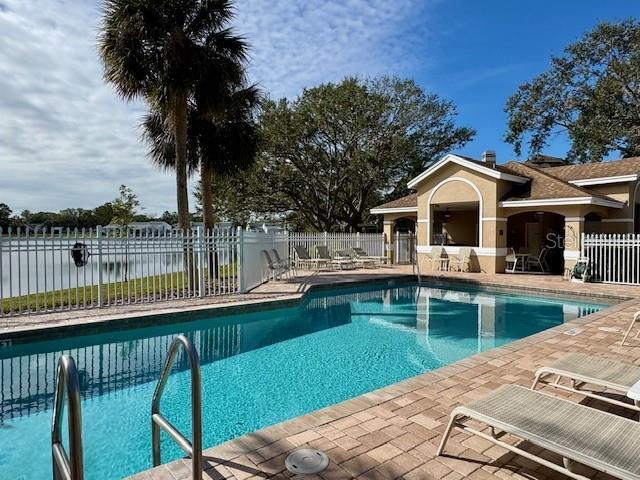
x,y
66,139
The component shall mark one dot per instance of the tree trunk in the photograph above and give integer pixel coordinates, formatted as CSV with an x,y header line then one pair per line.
x,y
180,133
208,215
206,191
179,107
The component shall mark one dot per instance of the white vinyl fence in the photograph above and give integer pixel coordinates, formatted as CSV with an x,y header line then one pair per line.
x,y
57,270
614,258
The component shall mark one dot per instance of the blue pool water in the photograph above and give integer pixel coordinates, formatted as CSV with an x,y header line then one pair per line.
x,y
257,368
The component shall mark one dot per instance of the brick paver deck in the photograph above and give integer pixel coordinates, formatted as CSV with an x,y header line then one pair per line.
x,y
392,433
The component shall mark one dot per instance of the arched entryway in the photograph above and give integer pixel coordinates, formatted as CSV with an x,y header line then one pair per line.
x,y
531,232
455,213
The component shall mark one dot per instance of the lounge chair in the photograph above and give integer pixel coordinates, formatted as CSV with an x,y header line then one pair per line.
x,y
280,262
461,261
304,260
583,369
597,439
636,318
336,261
275,270
360,253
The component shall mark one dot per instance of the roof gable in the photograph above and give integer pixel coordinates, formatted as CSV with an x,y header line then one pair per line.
x,y
496,171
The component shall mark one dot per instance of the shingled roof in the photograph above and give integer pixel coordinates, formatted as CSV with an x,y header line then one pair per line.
x,y
613,168
410,201
544,185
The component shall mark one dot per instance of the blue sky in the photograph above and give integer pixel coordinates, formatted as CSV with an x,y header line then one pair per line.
x,y
66,139
485,49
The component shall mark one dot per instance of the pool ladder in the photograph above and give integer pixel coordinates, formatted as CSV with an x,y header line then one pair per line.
x,y
158,421
67,377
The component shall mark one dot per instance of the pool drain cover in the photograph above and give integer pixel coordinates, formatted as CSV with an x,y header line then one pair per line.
x,y
307,461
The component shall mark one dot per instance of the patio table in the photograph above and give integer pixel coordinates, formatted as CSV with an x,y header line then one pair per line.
x,y
522,258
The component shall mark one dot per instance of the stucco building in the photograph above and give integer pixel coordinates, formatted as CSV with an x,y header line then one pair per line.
x,y
461,201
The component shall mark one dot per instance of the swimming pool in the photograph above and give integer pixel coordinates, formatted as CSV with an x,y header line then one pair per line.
x,y
258,368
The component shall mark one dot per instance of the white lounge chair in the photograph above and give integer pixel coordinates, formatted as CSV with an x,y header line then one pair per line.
x,y
634,320
462,260
600,440
583,370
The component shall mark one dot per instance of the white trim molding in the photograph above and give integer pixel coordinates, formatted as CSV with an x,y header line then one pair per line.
x,y
572,254
495,219
388,222
574,219
423,220
479,251
617,220
480,200
605,180
550,202
450,158
382,211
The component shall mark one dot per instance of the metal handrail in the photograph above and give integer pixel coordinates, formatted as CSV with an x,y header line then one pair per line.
x,y
63,469
158,421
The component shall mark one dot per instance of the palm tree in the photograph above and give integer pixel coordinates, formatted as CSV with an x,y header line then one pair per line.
x,y
221,140
171,53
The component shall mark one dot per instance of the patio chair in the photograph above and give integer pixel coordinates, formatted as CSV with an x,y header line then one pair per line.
x,y
583,369
539,261
636,318
511,261
282,263
438,258
461,261
303,259
579,434
275,270
362,254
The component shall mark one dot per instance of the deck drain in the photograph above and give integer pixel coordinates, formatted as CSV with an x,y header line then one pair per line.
x,y
307,461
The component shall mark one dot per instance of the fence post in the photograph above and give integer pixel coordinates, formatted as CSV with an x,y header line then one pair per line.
x,y
201,263
99,238
241,260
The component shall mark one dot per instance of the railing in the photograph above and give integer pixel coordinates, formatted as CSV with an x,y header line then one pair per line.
x,y
67,380
158,421
59,269
614,258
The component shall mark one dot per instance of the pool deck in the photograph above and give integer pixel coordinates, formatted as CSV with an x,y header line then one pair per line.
x,y
392,433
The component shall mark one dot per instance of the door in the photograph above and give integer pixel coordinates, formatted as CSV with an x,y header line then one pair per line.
x,y
533,237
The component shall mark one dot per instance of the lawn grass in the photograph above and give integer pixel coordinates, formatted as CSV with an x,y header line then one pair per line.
x,y
155,287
